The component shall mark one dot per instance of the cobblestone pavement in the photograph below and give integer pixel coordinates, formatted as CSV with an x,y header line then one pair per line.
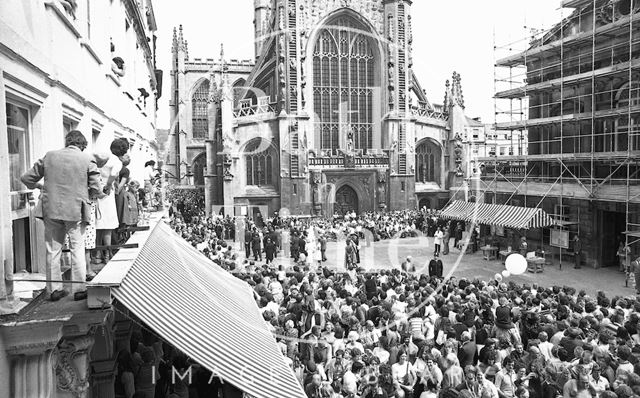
x,y
389,254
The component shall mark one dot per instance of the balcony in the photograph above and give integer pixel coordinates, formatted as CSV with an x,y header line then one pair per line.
x,y
350,161
431,112
248,109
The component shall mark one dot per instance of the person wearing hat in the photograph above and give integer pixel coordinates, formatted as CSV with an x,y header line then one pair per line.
x,y
577,252
504,327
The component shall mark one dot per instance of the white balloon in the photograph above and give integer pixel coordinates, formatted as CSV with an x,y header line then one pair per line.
x,y
498,277
506,273
516,264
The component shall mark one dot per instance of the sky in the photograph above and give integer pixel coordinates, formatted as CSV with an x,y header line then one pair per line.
x,y
449,35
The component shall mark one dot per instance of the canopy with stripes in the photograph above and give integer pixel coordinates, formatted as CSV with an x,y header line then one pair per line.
x,y
207,313
514,217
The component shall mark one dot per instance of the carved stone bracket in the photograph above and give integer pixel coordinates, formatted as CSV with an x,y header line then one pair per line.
x,y
72,365
226,165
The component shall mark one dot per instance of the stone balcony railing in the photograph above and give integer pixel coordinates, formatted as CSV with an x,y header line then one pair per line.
x,y
349,162
247,109
433,112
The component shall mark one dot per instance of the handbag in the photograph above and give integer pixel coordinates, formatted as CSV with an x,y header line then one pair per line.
x,y
86,212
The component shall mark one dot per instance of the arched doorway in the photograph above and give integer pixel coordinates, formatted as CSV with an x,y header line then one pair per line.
x,y
346,201
424,202
199,165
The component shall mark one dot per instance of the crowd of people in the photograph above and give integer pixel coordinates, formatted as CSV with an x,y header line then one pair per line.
x,y
392,333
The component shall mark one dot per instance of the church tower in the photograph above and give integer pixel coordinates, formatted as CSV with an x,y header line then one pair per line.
x,y
177,136
400,129
262,14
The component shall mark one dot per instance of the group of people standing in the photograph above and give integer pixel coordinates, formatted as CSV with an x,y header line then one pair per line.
x,y
84,199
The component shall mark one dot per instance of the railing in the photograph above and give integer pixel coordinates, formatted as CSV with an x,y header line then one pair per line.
x,y
247,109
350,162
433,112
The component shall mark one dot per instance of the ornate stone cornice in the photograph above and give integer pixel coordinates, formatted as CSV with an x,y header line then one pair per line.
x,y
32,338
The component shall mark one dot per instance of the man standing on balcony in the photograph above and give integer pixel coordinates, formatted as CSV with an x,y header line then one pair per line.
x,y
70,177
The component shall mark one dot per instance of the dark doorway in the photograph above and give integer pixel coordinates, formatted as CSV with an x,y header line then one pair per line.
x,y
613,225
346,201
258,217
424,202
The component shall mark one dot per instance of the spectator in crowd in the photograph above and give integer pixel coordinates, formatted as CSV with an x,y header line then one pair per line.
x,y
107,218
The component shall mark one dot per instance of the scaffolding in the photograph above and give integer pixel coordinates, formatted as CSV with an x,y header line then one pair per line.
x,y
573,91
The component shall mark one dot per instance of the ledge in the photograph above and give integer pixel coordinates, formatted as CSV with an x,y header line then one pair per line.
x,y
87,45
114,79
112,275
63,16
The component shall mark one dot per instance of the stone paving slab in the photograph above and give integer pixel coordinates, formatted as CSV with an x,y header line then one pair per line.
x,y
388,254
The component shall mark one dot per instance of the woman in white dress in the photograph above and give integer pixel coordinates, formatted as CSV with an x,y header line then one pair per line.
x,y
106,214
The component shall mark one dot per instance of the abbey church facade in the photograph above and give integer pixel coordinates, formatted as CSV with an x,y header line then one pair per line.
x,y
328,117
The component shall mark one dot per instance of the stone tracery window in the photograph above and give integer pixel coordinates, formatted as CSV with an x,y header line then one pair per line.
x,y
200,111
343,78
260,163
427,162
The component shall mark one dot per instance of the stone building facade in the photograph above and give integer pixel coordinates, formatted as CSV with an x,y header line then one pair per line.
x,y
329,118
64,65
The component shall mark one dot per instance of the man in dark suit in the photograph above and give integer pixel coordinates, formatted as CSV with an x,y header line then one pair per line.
x,y
295,246
70,176
256,245
468,351
247,241
436,267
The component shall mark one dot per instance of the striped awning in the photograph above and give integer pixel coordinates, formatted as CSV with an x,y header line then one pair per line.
x,y
496,214
458,210
207,313
517,217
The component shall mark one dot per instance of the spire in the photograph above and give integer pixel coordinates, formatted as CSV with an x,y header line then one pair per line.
x,y
456,90
223,61
186,50
447,97
174,41
180,37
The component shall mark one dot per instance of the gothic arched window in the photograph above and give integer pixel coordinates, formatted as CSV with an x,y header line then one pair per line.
x,y
200,111
428,162
260,162
343,81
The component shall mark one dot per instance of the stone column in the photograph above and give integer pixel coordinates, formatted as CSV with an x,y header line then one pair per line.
x,y
30,347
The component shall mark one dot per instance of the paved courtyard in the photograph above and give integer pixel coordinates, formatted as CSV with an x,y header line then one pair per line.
x,y
389,254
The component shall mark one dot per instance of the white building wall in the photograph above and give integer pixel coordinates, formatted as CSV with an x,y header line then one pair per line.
x,y
60,68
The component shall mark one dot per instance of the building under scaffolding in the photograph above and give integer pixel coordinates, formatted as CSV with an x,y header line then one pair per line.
x,y
575,89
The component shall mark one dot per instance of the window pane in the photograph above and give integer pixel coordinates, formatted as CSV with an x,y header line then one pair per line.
x,y
17,136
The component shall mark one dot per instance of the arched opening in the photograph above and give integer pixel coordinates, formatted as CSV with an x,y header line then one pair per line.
x,y
346,201
428,159
344,77
239,91
260,162
200,111
199,165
